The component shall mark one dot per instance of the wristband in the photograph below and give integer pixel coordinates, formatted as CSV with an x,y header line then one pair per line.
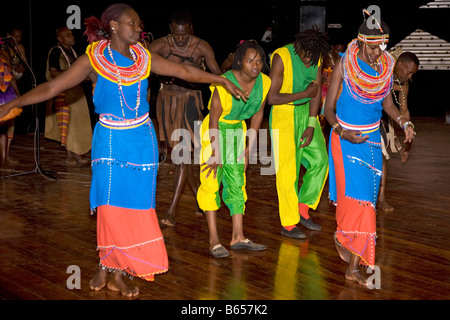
x,y
335,126
406,125
312,122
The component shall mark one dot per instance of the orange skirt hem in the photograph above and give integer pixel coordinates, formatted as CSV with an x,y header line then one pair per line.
x,y
130,241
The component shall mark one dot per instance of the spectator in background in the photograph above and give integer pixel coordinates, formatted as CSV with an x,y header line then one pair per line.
x,y
68,119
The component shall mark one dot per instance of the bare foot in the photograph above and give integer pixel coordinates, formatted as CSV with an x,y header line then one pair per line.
x,y
168,220
385,207
405,156
99,281
117,283
355,275
199,212
343,252
12,163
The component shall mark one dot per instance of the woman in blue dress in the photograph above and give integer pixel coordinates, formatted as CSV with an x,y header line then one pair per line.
x,y
124,151
359,89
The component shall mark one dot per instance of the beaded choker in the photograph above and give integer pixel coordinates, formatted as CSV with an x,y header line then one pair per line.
x,y
123,76
119,83
107,69
365,87
403,97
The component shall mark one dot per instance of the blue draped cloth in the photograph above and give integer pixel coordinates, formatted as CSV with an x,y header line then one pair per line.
x,y
124,161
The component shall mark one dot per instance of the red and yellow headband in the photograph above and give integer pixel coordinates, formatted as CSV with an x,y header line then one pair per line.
x,y
374,39
381,40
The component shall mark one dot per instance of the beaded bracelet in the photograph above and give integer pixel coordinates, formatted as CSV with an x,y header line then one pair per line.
x,y
335,126
399,117
406,124
342,134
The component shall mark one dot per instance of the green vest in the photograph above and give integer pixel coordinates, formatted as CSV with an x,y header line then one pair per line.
x,y
241,110
302,76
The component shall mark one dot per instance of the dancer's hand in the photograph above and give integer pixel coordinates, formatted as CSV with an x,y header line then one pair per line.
x,y
409,134
307,137
245,154
312,89
235,91
211,165
354,136
8,112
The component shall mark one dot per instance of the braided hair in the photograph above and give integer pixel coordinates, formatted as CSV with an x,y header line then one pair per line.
x,y
99,29
313,42
242,50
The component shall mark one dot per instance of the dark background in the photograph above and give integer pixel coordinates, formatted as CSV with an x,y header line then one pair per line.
x,y
224,23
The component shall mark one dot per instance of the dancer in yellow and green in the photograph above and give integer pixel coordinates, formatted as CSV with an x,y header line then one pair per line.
x,y
224,154
297,138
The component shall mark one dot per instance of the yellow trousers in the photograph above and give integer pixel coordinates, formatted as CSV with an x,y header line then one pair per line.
x,y
231,174
287,123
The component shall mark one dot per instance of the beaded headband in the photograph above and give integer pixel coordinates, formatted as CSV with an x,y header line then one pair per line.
x,y
381,39
374,39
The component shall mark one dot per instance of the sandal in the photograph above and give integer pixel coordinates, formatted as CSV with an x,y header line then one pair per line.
x,y
248,245
219,251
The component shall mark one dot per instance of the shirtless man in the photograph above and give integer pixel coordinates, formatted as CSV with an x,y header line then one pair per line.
x,y
406,66
180,103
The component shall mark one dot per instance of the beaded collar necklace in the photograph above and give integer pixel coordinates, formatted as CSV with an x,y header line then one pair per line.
x,y
362,86
119,83
397,100
130,76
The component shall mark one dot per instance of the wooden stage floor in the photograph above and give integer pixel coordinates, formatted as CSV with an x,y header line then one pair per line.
x,y
45,227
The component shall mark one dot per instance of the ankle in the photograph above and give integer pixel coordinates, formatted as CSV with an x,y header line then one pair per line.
x,y
289,228
303,209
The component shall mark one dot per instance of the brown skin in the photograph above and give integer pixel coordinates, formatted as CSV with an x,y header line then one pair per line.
x,y
368,54
120,42
183,42
251,67
67,40
125,32
312,91
16,43
181,38
403,72
5,143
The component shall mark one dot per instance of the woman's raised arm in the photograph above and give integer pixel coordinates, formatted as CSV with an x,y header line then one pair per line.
x,y
80,70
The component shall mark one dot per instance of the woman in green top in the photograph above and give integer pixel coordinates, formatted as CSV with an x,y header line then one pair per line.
x,y
224,155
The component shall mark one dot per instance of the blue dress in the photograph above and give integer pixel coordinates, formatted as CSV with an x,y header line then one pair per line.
x,y
125,166
355,173
353,114
124,162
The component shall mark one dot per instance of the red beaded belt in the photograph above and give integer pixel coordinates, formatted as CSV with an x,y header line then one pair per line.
x,y
363,128
123,124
